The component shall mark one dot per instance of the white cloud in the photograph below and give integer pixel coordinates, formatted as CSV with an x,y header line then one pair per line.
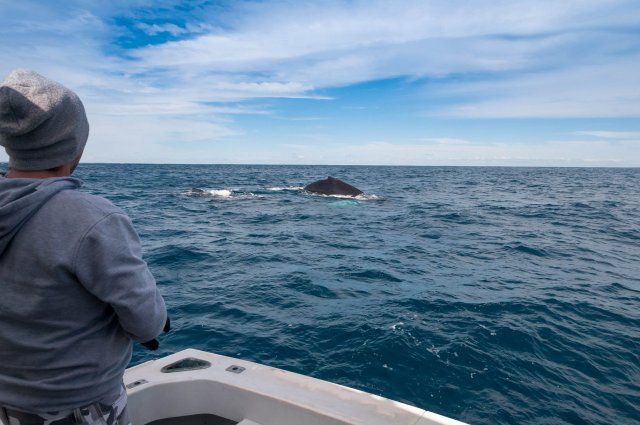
x,y
155,29
612,134
599,90
484,58
154,139
439,151
446,141
290,49
541,58
173,29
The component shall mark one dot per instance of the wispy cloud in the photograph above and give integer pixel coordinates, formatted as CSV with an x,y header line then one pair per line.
x,y
612,134
338,43
461,152
595,90
173,29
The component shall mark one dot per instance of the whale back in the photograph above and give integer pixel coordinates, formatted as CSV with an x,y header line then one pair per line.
x,y
332,186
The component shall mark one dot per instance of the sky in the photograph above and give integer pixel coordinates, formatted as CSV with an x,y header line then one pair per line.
x,y
425,82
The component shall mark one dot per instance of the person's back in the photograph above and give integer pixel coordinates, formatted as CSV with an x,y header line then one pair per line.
x,y
76,291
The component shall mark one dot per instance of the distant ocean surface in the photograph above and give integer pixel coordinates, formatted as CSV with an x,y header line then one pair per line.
x,y
491,295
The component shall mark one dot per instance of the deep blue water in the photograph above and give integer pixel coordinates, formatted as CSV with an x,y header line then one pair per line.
x,y
491,295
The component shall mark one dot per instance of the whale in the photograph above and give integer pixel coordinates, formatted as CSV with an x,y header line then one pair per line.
x,y
332,186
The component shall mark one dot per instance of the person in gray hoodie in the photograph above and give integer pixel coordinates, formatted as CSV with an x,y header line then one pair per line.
x,y
74,290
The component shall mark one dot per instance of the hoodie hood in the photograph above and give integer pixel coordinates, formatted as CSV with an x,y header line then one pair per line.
x,y
20,199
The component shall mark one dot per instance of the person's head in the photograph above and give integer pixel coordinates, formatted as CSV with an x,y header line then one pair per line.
x,y
43,125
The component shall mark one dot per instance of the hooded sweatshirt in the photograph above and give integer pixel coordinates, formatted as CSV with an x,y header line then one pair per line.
x,y
74,294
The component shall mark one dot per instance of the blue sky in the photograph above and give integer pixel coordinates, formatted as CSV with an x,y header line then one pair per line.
x,y
429,82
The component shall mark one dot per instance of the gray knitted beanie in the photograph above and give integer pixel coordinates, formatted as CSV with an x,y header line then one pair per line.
x,y
42,123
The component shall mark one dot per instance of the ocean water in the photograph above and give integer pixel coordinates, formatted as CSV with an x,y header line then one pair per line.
x,y
491,295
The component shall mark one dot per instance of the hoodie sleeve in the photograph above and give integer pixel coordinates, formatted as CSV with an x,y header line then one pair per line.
x,y
109,264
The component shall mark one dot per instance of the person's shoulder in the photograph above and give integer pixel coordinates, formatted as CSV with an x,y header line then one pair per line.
x,y
83,203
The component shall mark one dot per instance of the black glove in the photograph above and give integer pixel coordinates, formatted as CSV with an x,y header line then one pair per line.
x,y
154,344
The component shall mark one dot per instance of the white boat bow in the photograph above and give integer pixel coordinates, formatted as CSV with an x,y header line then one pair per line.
x,y
196,387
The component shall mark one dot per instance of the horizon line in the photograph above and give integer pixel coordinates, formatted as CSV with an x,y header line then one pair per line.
x,y
6,164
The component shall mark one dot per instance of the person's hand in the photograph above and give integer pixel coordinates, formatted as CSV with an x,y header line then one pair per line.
x,y
154,344
151,345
